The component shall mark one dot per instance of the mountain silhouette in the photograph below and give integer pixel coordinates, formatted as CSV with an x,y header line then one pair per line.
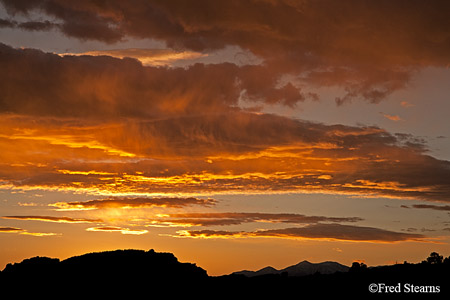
x,y
301,269
139,273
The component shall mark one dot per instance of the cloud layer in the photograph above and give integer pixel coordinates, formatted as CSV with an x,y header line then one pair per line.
x,y
224,219
54,219
136,129
314,231
429,206
129,128
92,86
132,203
237,152
368,49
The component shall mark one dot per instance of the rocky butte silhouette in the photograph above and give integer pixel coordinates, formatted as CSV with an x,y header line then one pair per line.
x,y
103,272
130,273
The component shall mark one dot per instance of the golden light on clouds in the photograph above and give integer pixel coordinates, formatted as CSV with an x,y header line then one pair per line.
x,y
308,157
117,229
321,232
54,219
394,118
224,119
148,57
25,232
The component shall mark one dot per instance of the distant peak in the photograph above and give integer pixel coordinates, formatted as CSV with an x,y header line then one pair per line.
x,y
268,268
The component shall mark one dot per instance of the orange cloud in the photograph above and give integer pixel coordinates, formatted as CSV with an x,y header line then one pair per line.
x,y
406,104
223,219
392,117
148,57
315,231
117,229
54,219
10,229
233,153
39,234
25,232
132,203
109,126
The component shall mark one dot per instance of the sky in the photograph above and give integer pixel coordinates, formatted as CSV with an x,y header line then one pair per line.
x,y
234,134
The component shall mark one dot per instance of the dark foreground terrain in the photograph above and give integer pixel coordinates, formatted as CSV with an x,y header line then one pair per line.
x,y
147,274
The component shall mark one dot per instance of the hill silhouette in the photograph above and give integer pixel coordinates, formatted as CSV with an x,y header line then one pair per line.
x,y
138,272
301,269
103,272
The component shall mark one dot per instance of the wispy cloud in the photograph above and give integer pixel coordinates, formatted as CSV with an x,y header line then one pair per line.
x,y
132,203
224,219
314,231
429,206
10,229
406,104
122,230
29,25
54,219
148,57
394,118
25,232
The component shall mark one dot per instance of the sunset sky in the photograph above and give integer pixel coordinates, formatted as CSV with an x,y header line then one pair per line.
x,y
234,134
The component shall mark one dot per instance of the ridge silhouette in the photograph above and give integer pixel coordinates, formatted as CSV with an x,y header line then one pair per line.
x,y
136,272
301,269
104,273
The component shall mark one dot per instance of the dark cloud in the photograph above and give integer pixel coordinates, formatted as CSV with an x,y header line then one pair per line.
x,y
133,203
106,87
410,229
281,26
7,23
29,25
316,231
223,219
430,206
37,25
426,229
54,219
91,87
10,229
369,48
210,233
342,232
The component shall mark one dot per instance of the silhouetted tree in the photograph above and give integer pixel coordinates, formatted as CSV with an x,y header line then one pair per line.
x,y
434,258
358,267
447,260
